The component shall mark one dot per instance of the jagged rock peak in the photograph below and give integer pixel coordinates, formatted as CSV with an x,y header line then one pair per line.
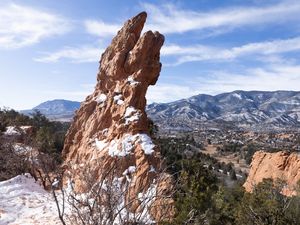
x,y
110,130
280,165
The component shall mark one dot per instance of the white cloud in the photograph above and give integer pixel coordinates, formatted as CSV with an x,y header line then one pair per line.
x,y
274,77
86,53
75,55
166,92
23,26
184,53
256,80
170,19
205,53
100,28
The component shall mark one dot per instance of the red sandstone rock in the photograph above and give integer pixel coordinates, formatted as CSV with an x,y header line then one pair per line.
x,y
280,165
111,126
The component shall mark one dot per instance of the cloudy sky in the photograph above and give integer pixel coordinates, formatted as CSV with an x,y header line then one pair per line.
x,y
50,49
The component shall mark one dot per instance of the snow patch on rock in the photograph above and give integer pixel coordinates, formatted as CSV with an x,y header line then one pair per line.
x,y
100,144
131,81
124,146
237,96
130,170
118,99
129,111
146,144
101,98
132,118
146,200
152,169
131,115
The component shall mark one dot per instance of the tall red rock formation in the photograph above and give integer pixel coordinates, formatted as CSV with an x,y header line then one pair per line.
x,y
280,165
111,126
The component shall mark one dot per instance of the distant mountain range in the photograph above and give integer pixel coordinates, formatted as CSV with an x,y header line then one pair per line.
x,y
59,109
240,109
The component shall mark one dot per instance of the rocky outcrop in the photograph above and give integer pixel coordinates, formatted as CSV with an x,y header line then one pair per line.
x,y
110,130
280,165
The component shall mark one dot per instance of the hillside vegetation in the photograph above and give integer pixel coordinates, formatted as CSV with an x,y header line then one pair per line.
x,y
45,136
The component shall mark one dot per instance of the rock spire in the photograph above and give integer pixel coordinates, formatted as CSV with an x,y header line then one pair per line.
x,y
111,127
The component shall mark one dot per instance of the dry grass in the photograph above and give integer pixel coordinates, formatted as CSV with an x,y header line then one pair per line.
x,y
239,164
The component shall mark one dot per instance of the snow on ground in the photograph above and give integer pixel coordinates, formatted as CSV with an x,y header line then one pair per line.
x,y
237,96
24,202
22,149
11,130
15,131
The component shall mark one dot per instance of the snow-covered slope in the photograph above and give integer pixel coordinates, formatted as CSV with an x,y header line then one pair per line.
x,y
253,109
24,202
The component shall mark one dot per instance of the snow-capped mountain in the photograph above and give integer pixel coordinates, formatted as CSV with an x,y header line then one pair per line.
x,y
252,109
248,109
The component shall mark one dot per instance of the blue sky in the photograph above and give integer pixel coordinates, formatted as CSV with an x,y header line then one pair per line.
x,y
50,49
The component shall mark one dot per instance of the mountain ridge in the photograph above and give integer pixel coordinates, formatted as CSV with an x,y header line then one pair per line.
x,y
244,109
239,109
57,109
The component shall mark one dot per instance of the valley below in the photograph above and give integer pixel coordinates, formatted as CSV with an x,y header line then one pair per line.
x,y
204,140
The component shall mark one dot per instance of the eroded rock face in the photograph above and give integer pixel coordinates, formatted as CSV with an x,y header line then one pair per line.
x,y
111,126
280,165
